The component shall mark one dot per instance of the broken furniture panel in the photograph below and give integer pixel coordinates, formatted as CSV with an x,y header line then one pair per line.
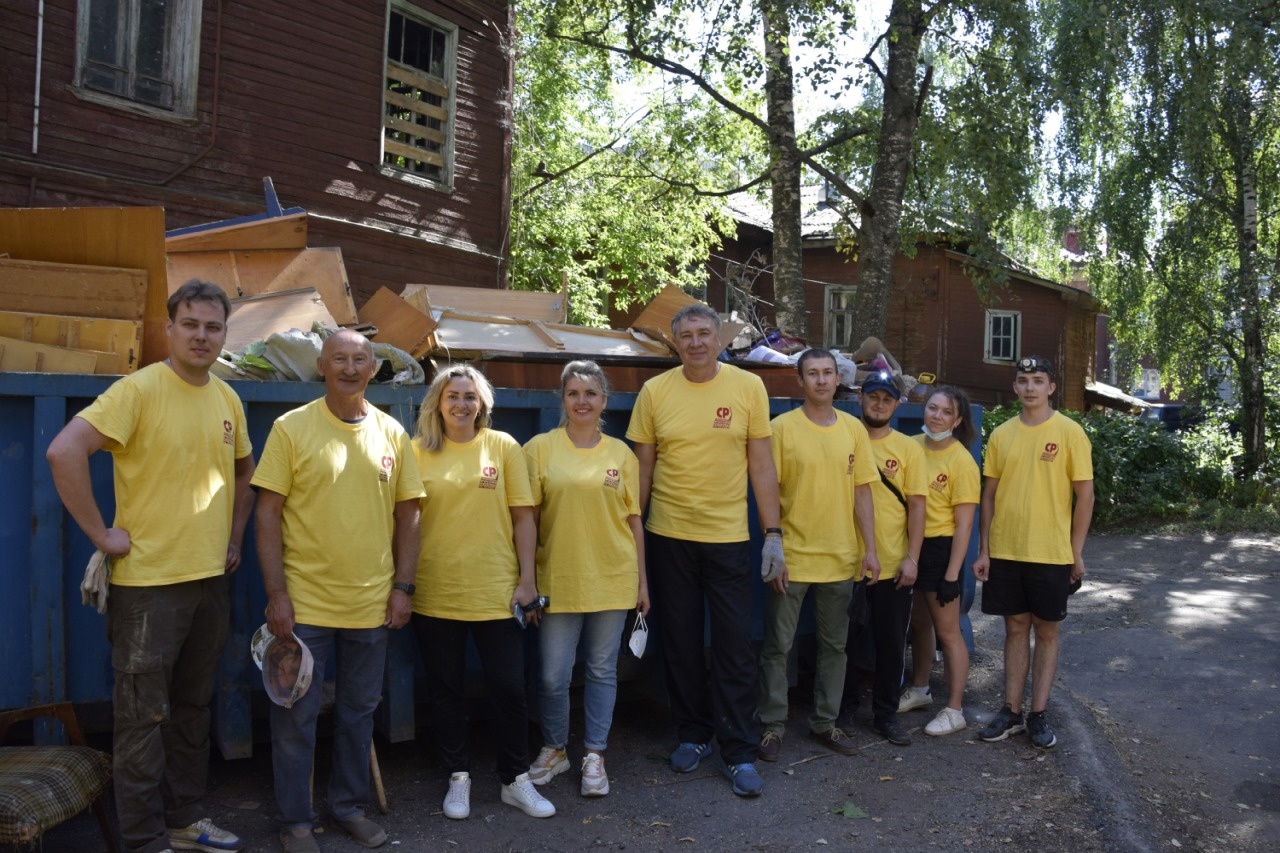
x,y
249,273
26,357
399,323
516,304
122,337
655,319
80,290
250,232
255,318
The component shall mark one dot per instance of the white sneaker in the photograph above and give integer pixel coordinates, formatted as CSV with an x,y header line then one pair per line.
x,y
526,798
914,697
595,782
948,721
457,802
549,764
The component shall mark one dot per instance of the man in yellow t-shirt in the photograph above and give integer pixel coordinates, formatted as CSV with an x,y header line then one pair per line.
x,y
337,531
899,497
1030,542
182,461
825,471
701,431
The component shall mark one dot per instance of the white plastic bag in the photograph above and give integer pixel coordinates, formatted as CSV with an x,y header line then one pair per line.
x,y
639,636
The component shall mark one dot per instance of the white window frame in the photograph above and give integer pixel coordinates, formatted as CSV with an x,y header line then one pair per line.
x,y
444,87
182,54
828,313
989,337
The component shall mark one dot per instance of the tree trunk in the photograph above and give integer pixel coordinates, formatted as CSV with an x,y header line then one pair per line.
x,y
1252,393
881,215
784,172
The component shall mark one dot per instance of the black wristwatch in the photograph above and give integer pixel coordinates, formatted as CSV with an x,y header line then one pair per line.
x,y
406,588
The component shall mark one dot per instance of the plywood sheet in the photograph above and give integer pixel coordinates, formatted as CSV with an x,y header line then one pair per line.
x,y
479,333
255,318
82,290
249,273
656,317
517,304
122,337
130,237
399,323
24,356
277,232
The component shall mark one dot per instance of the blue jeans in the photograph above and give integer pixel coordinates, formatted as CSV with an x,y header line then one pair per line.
x,y
558,635
361,659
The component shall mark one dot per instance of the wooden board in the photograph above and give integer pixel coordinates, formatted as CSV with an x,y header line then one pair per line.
x,y
26,357
655,319
277,232
484,333
271,271
122,337
81,290
255,318
518,304
129,237
399,323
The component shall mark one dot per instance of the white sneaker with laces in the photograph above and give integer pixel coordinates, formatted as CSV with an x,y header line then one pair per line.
x,y
457,802
914,697
550,763
948,721
523,795
204,835
595,782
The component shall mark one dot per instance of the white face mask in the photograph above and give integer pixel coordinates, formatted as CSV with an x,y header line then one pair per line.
x,y
935,436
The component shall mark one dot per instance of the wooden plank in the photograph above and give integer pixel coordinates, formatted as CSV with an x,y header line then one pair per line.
x,y
255,318
26,357
277,232
393,123
122,337
411,152
128,237
272,271
413,105
399,323
522,304
542,332
82,290
420,79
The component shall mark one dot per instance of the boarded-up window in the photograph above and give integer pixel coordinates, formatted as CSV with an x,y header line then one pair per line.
x,y
838,321
1004,336
145,52
417,132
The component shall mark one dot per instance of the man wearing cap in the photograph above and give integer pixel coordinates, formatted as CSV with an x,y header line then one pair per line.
x,y
337,531
182,463
701,431
899,497
825,470
1030,542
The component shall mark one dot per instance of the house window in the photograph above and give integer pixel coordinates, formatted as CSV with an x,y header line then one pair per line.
x,y
417,121
838,319
139,54
1004,336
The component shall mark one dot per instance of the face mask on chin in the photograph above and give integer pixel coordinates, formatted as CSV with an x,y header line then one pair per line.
x,y
935,436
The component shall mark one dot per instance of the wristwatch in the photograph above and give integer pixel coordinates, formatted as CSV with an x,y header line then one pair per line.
x,y
406,588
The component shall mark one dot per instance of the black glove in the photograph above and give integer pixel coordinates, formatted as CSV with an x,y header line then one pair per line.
x,y
948,591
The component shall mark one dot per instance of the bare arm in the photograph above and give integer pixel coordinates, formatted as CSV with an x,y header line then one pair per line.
x,y
864,512
764,481
963,514
243,506
525,535
404,543
982,565
1081,517
647,454
637,532
68,457
915,539
267,530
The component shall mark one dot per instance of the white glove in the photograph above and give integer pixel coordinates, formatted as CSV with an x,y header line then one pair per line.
x,y
97,577
771,561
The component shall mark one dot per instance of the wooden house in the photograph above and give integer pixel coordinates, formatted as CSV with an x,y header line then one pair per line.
x,y
388,121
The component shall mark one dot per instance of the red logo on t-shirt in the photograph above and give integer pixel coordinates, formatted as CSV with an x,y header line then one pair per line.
x,y
488,477
611,478
724,418
1050,452
939,483
891,468
228,433
388,463
849,470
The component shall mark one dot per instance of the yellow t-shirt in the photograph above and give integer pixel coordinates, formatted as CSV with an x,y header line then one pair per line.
x,y
341,483
901,460
700,430
174,447
953,479
467,567
818,470
1036,467
586,551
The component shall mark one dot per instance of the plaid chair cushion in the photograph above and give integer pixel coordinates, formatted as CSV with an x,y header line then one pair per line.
x,y
41,786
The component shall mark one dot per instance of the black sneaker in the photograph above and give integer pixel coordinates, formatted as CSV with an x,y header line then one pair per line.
x,y
892,731
1038,730
1003,724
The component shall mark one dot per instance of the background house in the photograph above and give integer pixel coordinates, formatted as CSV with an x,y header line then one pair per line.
x,y
388,121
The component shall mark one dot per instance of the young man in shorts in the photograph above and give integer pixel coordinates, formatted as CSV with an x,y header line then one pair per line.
x,y
1031,539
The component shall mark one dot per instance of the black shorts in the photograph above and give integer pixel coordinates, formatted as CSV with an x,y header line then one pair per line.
x,y
935,556
1015,587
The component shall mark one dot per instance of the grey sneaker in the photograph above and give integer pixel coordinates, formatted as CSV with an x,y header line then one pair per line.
x,y
1002,725
1038,730
550,763
363,831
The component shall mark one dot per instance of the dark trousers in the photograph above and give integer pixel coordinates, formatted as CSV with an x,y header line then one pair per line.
x,y
500,642
166,643
888,623
690,580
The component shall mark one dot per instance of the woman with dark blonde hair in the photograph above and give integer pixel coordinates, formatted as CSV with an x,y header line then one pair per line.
x,y
475,573
955,487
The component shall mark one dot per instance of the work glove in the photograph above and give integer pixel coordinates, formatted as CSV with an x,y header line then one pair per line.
x,y
948,591
97,577
771,561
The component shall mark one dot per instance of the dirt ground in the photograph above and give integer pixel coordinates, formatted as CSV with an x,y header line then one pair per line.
x,y
1164,710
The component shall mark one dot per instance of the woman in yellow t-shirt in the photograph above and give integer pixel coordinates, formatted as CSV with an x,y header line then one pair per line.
x,y
590,564
475,573
954,492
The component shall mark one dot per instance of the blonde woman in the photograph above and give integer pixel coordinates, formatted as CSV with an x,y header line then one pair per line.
x,y
591,566
475,567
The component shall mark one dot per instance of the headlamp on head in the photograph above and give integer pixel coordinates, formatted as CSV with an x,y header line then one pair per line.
x,y
1034,364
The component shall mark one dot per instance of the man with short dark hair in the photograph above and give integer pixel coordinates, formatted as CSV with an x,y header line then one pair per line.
x,y
183,462
1030,544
